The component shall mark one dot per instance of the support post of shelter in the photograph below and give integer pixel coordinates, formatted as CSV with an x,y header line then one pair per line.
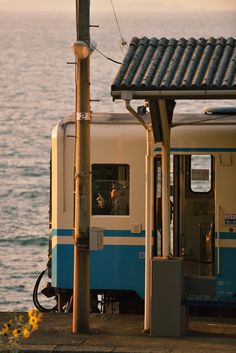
x,y
148,227
168,317
165,179
148,211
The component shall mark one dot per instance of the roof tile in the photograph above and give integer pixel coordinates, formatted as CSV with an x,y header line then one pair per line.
x,y
166,64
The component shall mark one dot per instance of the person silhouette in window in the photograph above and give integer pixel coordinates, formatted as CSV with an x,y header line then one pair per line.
x,y
119,205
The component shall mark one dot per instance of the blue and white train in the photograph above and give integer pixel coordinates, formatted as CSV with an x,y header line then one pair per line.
x,y
203,199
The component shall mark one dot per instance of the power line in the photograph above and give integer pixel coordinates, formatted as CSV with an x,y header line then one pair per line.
x,y
104,55
123,41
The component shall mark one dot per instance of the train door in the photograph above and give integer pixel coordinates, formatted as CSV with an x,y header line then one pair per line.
x,y
193,212
197,209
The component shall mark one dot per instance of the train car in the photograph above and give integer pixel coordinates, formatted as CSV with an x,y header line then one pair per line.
x,y
117,165
203,205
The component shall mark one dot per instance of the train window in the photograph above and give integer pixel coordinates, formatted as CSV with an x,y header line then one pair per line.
x,y
110,189
201,173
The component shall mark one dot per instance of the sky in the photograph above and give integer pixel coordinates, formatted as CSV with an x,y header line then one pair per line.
x,y
121,5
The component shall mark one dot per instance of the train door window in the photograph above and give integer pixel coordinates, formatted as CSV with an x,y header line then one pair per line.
x,y
198,209
201,174
158,204
110,189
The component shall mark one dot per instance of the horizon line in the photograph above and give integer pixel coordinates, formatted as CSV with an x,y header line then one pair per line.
x,y
69,11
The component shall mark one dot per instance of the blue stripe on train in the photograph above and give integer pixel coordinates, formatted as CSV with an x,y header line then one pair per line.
x,y
108,233
118,267
127,233
62,232
114,267
122,267
198,149
226,279
62,266
227,235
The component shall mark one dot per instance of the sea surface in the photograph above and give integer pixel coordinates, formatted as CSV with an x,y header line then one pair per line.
x,y
37,90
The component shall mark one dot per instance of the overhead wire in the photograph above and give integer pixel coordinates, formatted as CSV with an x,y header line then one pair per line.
x,y
123,41
105,56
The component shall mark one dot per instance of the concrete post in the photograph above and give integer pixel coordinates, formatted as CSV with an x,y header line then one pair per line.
x,y
81,290
168,314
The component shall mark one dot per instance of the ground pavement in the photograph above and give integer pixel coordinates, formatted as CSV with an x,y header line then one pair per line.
x,y
123,334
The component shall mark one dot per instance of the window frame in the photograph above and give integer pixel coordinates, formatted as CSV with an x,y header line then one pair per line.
x,y
210,174
112,180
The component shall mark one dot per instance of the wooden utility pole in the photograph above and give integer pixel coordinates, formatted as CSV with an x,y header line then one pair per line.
x,y
81,291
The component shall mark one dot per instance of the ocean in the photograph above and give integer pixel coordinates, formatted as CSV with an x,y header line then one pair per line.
x,y
36,91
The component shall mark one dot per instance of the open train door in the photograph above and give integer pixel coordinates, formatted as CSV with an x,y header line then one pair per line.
x,y
194,213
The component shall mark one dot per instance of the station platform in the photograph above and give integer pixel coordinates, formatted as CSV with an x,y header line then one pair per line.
x,y
124,334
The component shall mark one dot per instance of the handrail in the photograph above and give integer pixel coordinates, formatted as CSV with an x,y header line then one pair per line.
x,y
218,238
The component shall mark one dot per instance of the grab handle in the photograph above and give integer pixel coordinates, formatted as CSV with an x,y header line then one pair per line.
x,y
218,237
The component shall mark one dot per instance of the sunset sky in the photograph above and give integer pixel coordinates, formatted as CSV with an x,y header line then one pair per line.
x,y
121,5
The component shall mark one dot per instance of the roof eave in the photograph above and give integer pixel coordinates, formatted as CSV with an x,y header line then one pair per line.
x,y
172,94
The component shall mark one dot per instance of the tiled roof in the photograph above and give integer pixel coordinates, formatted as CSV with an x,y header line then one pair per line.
x,y
184,64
